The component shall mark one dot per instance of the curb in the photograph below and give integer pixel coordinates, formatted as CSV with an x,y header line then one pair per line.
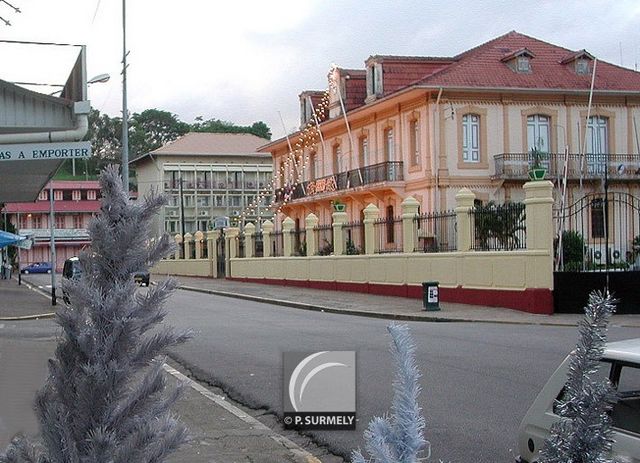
x,y
364,313
220,401
31,317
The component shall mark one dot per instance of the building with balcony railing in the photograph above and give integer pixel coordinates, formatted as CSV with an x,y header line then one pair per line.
x,y
208,176
428,126
75,203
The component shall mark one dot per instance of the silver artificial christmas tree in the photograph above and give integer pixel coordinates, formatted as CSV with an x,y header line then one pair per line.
x,y
105,400
583,435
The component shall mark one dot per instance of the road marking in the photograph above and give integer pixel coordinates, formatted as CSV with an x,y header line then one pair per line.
x,y
220,400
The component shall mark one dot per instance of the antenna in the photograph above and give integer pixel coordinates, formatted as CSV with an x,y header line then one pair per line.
x,y
621,64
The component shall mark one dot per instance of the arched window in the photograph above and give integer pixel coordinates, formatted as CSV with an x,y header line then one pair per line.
x,y
471,138
312,166
389,151
337,159
414,142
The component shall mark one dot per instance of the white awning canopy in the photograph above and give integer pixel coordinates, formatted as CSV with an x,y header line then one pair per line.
x,y
32,117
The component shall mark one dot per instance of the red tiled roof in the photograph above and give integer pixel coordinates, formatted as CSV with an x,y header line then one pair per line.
x,y
399,73
482,67
75,185
59,206
356,88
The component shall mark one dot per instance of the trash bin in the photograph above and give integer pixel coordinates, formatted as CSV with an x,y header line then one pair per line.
x,y
430,297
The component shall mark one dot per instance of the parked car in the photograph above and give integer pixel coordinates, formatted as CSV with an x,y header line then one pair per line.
x,y
621,364
37,267
70,271
142,278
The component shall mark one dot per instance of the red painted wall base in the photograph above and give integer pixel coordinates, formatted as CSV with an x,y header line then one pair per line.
x,y
535,300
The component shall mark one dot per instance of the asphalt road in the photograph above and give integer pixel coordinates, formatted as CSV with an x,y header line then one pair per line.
x,y
478,378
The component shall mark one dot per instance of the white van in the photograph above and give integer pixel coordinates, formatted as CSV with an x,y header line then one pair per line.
x,y
621,364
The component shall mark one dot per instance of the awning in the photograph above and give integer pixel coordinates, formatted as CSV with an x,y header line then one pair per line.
x,y
7,238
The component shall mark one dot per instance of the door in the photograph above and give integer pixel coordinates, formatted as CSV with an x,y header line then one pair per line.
x,y
597,145
539,136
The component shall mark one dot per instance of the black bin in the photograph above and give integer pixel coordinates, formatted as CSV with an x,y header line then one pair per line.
x,y
430,296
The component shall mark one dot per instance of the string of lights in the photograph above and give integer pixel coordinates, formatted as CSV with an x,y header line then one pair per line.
x,y
15,9
291,172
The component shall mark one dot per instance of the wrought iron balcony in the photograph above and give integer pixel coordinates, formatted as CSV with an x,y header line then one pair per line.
x,y
377,173
515,166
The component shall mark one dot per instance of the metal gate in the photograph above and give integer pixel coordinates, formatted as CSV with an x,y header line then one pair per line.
x,y
597,245
221,255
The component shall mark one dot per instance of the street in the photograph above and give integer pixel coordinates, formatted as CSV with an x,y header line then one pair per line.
x,y
478,378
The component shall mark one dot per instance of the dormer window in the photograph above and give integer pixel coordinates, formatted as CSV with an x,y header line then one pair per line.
x,y
519,61
582,66
374,80
523,64
580,60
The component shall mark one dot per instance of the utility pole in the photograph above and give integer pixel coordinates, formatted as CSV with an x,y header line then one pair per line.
x,y
125,112
181,209
53,244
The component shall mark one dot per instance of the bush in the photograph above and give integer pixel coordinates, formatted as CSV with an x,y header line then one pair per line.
x,y
572,249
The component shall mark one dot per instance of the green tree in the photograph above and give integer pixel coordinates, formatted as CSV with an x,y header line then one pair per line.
x,y
259,129
153,128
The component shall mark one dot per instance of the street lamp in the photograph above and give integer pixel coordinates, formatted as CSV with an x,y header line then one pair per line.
x,y
99,79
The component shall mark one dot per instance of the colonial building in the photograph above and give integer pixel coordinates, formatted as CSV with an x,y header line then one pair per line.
x,y
428,126
208,176
75,203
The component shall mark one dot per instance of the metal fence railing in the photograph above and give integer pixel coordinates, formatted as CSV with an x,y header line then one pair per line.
x,y
324,238
299,242
353,236
388,234
498,227
258,243
435,232
277,244
241,246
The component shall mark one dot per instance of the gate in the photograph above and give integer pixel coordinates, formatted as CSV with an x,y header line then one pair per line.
x,y
597,245
221,256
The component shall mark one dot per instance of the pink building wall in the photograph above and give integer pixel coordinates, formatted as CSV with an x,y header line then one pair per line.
x,y
75,203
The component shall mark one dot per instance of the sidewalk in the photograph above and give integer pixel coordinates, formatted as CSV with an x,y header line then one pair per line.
x,y
22,301
220,432
370,305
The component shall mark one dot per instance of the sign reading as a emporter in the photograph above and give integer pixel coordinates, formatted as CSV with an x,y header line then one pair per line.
x,y
45,151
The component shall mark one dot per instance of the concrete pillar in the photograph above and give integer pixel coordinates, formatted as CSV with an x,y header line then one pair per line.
x,y
339,219
371,214
231,235
287,236
178,238
538,209
249,240
267,230
188,243
410,208
311,222
198,240
464,203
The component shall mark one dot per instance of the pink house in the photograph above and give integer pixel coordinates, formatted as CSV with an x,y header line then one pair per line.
x,y
75,203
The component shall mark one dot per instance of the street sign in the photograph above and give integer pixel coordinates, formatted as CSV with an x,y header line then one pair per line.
x,y
45,151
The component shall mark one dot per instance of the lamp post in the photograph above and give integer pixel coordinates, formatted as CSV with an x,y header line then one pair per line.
x,y
125,125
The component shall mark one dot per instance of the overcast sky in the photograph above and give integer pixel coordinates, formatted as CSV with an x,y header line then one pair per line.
x,y
244,61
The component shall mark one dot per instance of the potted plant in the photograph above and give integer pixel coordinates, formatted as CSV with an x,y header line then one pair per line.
x,y
338,206
537,171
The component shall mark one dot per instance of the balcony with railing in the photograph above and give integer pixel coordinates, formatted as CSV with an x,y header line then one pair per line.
x,y
617,166
378,173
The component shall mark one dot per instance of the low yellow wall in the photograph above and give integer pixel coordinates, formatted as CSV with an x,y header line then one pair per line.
x,y
513,270
191,267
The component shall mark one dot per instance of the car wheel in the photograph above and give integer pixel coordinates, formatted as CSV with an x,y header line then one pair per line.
x,y
26,272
